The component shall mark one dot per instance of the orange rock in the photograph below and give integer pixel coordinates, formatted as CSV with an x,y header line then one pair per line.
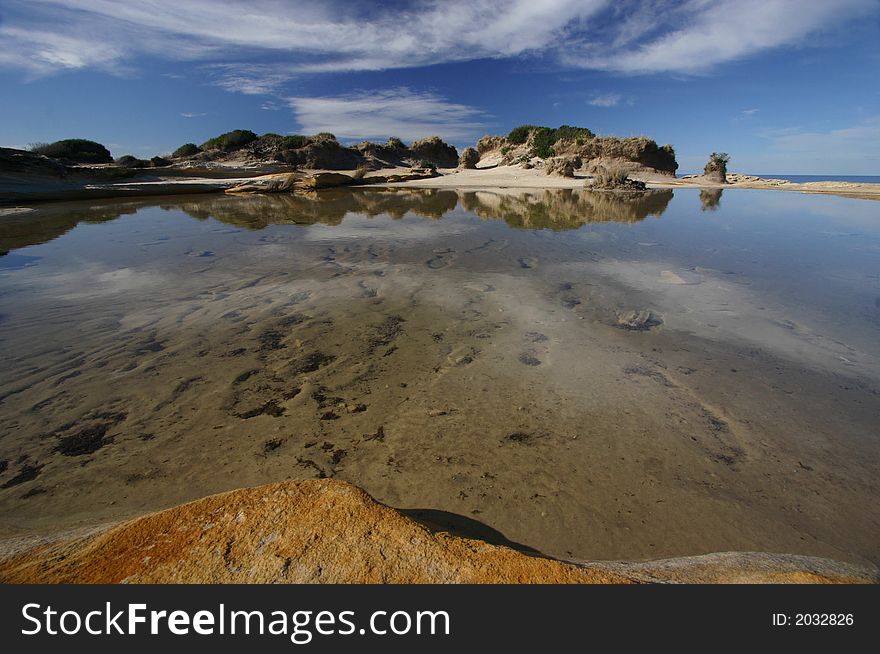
x,y
328,531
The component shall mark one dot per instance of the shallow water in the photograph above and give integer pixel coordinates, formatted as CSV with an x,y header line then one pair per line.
x,y
589,375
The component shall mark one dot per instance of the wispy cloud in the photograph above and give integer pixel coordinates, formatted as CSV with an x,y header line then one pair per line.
x,y
397,112
830,151
187,114
41,37
696,35
605,100
749,112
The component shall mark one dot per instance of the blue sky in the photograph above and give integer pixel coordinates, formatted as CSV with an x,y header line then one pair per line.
x,y
784,86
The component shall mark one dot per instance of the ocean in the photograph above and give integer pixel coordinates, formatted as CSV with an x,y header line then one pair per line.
x,y
800,179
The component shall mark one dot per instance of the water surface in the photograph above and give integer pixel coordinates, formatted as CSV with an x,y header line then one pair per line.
x,y
591,375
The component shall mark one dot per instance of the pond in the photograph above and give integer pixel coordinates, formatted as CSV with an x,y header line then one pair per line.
x,y
591,375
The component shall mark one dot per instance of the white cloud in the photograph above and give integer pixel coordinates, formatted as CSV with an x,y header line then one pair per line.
x,y
40,52
642,36
192,115
749,112
605,100
699,35
397,112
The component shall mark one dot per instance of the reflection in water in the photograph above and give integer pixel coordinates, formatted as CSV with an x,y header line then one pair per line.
x,y
548,209
711,198
466,351
52,221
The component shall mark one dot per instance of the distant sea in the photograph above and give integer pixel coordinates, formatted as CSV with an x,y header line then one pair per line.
x,y
799,179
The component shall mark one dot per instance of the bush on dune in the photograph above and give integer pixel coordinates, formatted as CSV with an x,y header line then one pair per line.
x,y
544,138
294,142
186,150
75,150
130,161
237,138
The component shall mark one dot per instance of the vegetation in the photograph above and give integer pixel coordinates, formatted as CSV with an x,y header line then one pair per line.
x,y
542,142
294,142
543,138
230,141
716,168
75,150
429,165
578,134
186,150
130,161
611,177
519,135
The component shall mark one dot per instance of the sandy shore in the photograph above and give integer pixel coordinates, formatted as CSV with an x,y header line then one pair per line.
x,y
517,177
233,176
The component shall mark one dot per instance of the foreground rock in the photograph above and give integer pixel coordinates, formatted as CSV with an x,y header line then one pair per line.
x,y
327,531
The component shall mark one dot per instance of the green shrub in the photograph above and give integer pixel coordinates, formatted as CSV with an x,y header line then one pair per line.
x,y
542,142
544,137
130,161
230,141
294,142
76,150
159,162
568,133
186,150
505,149
519,135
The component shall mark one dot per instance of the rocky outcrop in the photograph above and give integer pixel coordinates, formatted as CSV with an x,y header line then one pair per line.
x,y
434,150
328,531
469,158
563,166
489,143
716,168
529,141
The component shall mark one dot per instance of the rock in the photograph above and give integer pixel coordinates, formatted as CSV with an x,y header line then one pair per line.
x,y
641,321
328,531
433,149
327,180
716,168
489,143
469,158
563,166
277,183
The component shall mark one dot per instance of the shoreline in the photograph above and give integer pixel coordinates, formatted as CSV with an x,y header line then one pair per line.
x,y
234,179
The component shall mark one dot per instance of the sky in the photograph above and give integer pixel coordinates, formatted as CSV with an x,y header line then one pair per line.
x,y
784,86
